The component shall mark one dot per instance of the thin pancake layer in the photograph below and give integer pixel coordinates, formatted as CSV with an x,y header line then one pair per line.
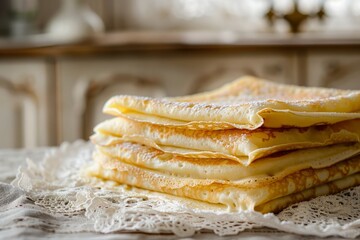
x,y
234,194
333,187
240,145
245,104
260,172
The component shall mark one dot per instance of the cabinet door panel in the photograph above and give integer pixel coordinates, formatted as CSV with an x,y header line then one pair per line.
x,y
336,69
216,71
85,85
24,120
10,115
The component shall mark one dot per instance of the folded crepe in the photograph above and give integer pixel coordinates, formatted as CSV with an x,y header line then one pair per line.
x,y
260,172
251,193
247,103
250,145
240,145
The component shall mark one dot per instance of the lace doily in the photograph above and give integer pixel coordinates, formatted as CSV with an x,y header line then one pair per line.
x,y
56,187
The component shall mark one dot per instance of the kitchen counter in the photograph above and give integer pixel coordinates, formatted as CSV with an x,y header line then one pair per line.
x,y
41,45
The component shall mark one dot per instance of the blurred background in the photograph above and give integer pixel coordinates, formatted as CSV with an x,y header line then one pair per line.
x,y
60,60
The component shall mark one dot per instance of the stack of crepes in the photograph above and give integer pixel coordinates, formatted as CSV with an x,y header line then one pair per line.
x,y
249,145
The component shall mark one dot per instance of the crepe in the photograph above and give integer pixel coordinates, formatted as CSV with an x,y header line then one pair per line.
x,y
333,187
237,195
268,169
250,145
248,103
240,145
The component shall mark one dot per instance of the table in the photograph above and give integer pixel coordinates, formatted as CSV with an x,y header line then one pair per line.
x,y
10,160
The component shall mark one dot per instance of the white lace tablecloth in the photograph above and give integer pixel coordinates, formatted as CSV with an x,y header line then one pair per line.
x,y
22,217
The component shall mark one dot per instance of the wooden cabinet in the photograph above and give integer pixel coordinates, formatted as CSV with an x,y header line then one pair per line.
x,y
58,94
25,104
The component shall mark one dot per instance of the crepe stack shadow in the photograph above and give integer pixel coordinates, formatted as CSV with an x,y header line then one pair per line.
x,y
249,145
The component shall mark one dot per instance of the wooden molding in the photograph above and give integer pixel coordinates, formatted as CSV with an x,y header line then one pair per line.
x,y
20,90
96,86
